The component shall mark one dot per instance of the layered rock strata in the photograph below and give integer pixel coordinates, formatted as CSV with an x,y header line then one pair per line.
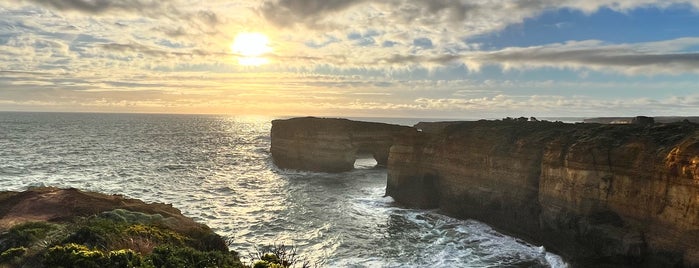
x,y
600,195
329,145
617,195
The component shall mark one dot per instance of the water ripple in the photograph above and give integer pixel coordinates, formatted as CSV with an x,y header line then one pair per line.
x,y
218,170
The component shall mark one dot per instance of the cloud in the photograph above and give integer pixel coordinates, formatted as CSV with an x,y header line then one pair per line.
x,y
595,55
290,12
100,6
664,57
476,15
555,105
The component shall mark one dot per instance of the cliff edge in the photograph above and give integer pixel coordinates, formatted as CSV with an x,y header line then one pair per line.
x,y
615,195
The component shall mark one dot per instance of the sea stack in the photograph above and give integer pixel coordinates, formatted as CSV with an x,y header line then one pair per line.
x,y
328,144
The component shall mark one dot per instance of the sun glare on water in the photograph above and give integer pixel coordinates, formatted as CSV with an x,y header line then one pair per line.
x,y
250,48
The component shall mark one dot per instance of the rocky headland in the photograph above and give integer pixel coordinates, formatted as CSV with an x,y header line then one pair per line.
x,y
599,195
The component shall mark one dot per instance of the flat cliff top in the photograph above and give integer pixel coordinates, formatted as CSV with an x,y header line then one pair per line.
x,y
660,134
58,205
333,124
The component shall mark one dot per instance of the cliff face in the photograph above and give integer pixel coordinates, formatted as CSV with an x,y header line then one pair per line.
x,y
597,194
329,145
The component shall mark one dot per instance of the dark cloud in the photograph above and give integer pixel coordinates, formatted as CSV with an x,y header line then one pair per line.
x,y
622,59
418,59
157,51
209,17
594,57
204,21
100,6
289,12
285,13
454,10
135,48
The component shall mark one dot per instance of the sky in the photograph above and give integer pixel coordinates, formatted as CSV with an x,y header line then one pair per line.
x,y
379,58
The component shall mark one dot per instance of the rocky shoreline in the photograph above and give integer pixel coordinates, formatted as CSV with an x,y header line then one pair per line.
x,y
599,195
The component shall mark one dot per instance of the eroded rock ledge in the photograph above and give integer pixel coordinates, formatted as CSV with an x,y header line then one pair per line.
x,y
328,144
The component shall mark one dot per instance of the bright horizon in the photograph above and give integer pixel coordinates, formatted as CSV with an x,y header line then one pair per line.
x,y
355,58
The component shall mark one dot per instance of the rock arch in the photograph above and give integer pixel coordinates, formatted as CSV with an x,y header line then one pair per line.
x,y
330,144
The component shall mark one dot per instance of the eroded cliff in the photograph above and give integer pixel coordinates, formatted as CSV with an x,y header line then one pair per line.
x,y
597,194
329,145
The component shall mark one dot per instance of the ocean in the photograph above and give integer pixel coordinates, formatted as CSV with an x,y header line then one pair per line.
x,y
218,170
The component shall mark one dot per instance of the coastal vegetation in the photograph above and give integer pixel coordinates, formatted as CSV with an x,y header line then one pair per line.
x,y
117,238
123,236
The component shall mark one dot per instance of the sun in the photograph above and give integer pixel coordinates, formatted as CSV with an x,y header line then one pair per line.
x,y
250,48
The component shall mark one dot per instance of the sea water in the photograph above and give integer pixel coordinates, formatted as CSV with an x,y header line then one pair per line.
x,y
218,170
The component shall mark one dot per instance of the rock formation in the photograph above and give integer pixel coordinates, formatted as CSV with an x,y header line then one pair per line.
x,y
329,145
617,195
599,195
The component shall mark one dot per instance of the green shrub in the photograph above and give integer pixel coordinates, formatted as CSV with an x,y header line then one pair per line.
x,y
156,234
276,256
115,239
181,257
74,255
12,254
26,234
96,233
124,258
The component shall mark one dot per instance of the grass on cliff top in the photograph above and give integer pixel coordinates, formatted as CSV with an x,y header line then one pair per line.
x,y
122,238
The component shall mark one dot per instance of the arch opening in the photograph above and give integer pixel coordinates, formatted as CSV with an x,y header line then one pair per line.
x,y
365,160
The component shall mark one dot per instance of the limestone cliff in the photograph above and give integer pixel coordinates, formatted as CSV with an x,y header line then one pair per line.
x,y
329,145
619,195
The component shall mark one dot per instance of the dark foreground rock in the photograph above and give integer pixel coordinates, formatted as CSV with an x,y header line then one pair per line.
x,y
51,227
599,195
329,145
